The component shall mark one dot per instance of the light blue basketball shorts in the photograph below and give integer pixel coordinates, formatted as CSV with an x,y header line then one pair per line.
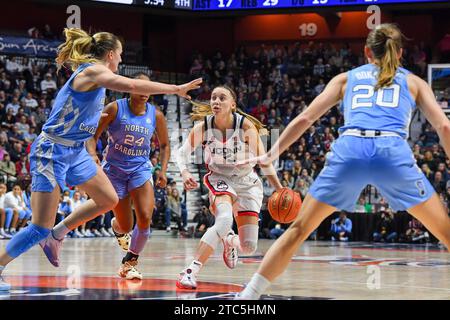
x,y
384,162
52,163
123,181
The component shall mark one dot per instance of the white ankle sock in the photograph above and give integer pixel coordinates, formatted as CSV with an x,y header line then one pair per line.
x,y
60,231
195,266
257,286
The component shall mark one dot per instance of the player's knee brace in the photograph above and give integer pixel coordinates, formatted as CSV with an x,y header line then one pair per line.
x,y
224,218
211,238
25,239
248,238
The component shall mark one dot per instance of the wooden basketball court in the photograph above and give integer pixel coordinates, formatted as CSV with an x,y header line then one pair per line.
x,y
320,270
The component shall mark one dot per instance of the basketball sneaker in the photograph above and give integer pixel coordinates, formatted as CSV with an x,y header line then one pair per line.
x,y
4,286
51,247
230,254
186,280
122,239
128,270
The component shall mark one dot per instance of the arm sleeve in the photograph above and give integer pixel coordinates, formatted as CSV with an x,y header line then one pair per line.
x,y
182,156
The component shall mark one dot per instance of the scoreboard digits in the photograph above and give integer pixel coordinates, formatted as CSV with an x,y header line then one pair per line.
x,y
219,5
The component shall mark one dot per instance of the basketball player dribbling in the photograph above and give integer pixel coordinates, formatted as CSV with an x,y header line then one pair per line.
x,y
227,135
378,99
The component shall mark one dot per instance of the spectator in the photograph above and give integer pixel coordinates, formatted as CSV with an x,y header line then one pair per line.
x,y
8,169
287,179
438,183
30,102
360,206
48,85
8,216
14,200
204,220
385,229
23,167
416,232
14,105
276,229
22,126
65,207
30,136
302,188
174,209
47,33
341,228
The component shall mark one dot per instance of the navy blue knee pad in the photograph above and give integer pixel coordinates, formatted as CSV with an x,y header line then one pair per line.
x,y
25,239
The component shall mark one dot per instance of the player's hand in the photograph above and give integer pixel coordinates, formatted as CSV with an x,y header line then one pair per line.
x,y
183,89
189,181
162,180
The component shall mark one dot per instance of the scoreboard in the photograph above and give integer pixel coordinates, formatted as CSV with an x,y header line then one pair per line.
x,y
229,5
202,5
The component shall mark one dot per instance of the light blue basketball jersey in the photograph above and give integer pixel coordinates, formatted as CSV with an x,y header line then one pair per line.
x,y
388,109
129,137
75,114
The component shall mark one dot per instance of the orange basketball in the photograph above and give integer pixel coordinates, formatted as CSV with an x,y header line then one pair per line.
x,y
284,205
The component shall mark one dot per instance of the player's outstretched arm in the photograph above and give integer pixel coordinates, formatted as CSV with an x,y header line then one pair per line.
x,y
432,111
330,96
108,115
104,77
182,155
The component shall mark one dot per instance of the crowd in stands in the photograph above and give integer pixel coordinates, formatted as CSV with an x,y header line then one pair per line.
x,y
276,83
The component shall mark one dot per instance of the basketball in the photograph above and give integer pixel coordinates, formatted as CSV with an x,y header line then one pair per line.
x,y
284,205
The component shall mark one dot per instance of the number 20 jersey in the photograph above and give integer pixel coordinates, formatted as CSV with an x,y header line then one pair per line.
x,y
129,137
387,109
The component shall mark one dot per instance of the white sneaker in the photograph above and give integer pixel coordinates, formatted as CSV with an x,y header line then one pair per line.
x,y
89,234
230,254
168,229
128,271
97,233
4,286
78,234
5,234
104,232
111,232
186,280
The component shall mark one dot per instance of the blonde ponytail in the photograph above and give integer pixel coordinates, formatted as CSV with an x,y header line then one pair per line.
x,y
385,41
76,50
81,48
388,65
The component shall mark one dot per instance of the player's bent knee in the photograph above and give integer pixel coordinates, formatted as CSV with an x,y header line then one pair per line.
x,y
223,225
144,222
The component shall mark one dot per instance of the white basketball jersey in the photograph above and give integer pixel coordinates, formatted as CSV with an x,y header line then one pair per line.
x,y
221,153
